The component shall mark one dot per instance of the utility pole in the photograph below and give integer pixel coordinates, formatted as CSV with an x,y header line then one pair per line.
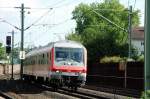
x,y
22,38
12,54
12,57
130,31
147,47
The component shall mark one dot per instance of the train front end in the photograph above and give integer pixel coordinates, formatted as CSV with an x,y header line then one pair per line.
x,y
69,63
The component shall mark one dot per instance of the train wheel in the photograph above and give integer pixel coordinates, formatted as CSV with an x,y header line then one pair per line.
x,y
55,87
74,88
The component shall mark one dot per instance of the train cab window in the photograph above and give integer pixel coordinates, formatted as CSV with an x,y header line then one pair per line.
x,y
74,55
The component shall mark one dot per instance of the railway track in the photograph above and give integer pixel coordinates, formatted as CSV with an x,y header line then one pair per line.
x,y
22,90
80,94
4,96
15,89
84,94
116,91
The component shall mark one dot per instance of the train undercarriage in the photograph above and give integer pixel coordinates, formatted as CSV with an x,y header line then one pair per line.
x,y
72,82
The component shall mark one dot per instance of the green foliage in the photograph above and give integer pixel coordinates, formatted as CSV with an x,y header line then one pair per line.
x,y
99,36
141,58
146,95
2,52
114,59
16,55
74,37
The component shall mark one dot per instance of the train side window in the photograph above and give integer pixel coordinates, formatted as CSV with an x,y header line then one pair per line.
x,y
44,62
47,55
38,59
31,60
50,58
42,59
47,58
43,55
35,59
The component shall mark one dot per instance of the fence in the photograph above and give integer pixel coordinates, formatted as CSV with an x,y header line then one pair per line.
x,y
7,69
120,75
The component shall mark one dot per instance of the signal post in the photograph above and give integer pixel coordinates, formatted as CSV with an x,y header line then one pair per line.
x,y
147,48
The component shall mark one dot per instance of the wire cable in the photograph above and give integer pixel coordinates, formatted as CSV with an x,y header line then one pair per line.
x,y
6,7
52,24
134,4
66,4
60,1
38,19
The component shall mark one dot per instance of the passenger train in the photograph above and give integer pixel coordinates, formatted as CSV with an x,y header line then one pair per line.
x,y
62,63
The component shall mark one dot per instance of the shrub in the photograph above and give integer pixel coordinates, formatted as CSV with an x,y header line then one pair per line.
x,y
146,96
141,58
114,59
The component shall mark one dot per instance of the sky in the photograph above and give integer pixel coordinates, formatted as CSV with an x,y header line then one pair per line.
x,y
49,20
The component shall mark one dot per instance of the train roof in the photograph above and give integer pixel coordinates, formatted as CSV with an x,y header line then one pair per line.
x,y
68,43
47,48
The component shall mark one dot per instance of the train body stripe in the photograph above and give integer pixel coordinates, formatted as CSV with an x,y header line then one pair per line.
x,y
70,68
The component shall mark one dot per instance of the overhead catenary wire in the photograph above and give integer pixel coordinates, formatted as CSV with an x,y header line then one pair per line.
x,y
66,4
6,7
134,4
34,25
4,21
59,23
56,3
53,25
109,21
50,6
40,35
38,19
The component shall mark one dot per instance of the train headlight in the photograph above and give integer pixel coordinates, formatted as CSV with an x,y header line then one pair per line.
x,y
57,71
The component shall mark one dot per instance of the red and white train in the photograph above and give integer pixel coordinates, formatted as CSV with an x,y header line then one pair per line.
x,y
62,63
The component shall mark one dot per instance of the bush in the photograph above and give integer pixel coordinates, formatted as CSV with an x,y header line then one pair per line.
x,y
141,58
146,96
109,59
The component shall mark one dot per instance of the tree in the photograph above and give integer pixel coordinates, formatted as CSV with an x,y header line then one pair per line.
x,y
98,35
2,51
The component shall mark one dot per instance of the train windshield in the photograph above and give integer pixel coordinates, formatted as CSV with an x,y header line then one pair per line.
x,y
69,56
